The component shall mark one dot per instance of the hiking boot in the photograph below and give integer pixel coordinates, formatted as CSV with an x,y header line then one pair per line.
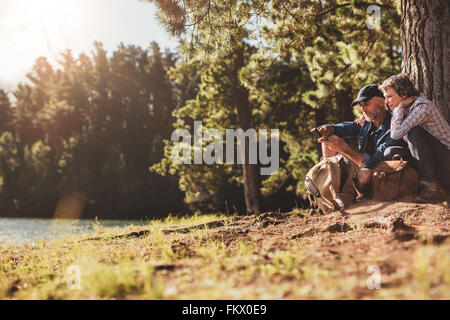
x,y
429,193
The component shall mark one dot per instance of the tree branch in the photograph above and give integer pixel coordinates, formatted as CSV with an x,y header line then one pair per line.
x,y
349,3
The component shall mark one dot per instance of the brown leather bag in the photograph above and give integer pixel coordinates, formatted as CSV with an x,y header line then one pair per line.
x,y
394,180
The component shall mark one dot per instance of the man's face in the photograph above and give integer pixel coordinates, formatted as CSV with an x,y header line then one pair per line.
x,y
372,109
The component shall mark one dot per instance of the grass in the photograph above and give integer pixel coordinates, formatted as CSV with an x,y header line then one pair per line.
x,y
198,266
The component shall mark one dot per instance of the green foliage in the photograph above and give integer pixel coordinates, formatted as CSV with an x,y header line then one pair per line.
x,y
307,61
98,122
92,125
213,105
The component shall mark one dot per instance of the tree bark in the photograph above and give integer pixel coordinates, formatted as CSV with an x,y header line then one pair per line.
x,y
344,101
426,48
251,174
320,115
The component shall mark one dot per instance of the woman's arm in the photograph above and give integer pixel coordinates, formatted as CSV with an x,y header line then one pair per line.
x,y
400,125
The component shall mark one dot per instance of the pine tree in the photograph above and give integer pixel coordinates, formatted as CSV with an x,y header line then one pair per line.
x,y
327,49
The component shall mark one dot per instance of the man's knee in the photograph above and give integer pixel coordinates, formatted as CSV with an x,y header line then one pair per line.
x,y
327,152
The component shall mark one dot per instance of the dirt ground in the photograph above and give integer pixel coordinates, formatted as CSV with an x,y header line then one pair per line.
x,y
390,250
388,235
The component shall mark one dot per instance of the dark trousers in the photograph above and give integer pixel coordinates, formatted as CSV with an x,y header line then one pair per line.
x,y
390,152
431,157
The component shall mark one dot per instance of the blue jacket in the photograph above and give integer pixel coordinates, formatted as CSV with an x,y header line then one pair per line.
x,y
383,138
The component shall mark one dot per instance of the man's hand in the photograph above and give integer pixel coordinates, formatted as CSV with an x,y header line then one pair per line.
x,y
406,103
335,143
338,145
325,131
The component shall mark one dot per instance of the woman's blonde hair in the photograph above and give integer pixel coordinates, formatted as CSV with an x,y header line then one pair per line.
x,y
401,84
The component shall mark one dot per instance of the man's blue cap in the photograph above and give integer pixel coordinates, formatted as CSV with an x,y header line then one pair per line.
x,y
368,92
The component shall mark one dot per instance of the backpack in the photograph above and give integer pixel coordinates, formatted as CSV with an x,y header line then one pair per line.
x,y
329,184
394,180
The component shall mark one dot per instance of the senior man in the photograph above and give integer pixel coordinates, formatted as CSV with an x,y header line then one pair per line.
x,y
374,138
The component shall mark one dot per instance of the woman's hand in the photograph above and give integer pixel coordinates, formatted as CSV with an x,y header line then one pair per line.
x,y
406,103
360,120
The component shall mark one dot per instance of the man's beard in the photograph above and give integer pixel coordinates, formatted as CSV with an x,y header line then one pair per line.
x,y
371,116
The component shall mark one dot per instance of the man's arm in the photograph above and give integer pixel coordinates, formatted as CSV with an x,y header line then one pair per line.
x,y
337,144
332,142
348,129
361,159
371,161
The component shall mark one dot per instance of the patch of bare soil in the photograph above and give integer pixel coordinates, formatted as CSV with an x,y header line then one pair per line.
x,y
388,232
399,221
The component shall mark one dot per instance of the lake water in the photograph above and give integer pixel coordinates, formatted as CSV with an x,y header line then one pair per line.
x,y
22,231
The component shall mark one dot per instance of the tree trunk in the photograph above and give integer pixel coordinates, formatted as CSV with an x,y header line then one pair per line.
x,y
344,101
251,174
426,48
320,115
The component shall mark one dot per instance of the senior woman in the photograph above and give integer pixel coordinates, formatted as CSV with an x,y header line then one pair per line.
x,y
423,126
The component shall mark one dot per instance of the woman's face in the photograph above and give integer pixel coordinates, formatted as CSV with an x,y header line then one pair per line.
x,y
392,98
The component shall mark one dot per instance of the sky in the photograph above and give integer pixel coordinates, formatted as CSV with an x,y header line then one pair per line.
x,y
33,28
